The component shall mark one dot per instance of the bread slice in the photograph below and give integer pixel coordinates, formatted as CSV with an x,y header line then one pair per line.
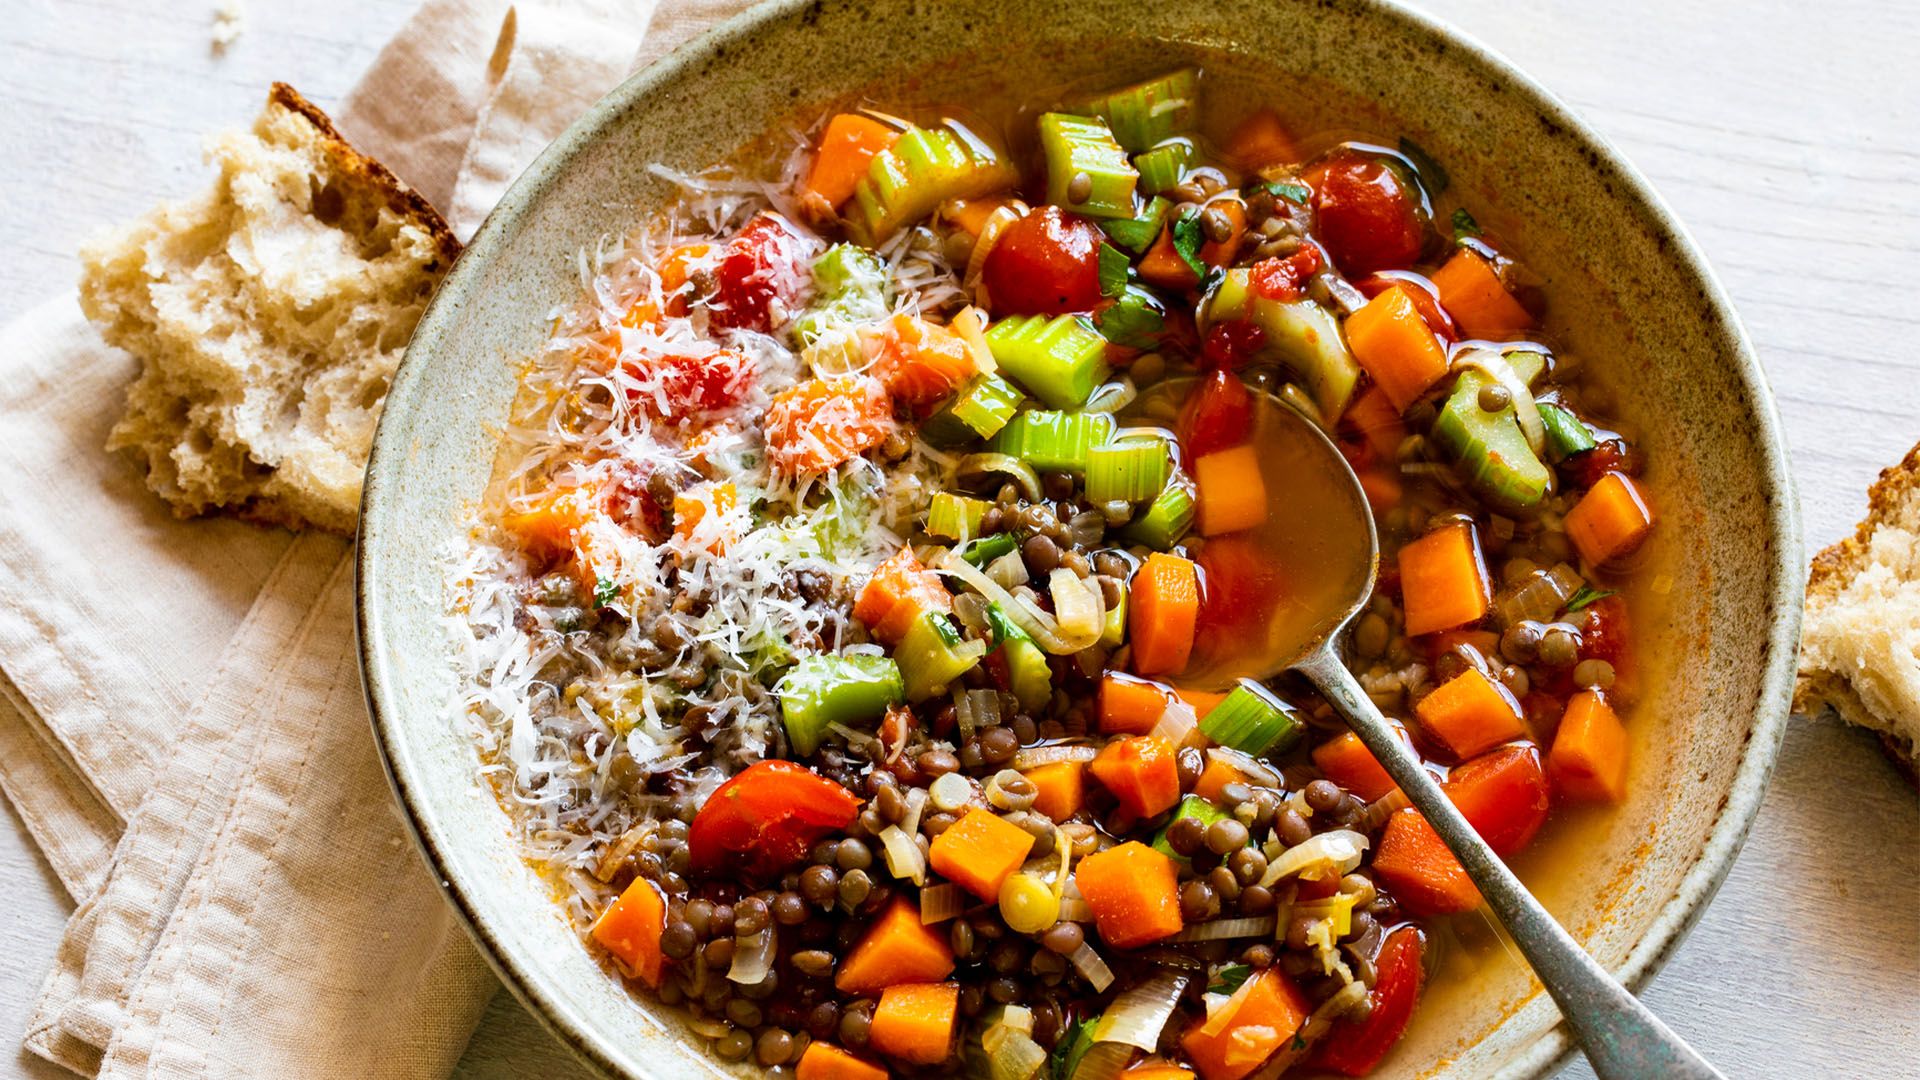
x,y
268,315
1860,646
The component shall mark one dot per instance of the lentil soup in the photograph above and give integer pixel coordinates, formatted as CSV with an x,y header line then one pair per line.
x,y
858,619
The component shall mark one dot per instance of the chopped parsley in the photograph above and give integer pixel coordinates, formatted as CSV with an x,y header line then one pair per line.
x,y
1586,595
1431,174
1114,265
1230,978
1188,238
1292,191
1464,225
604,592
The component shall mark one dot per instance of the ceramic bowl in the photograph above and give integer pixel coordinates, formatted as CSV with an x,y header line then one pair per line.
x,y
1724,577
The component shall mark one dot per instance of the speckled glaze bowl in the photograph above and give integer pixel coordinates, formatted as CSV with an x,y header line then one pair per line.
x,y
1724,575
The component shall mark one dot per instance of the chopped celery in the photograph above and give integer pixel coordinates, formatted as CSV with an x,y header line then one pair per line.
x,y
1027,666
1168,519
1114,633
1127,470
1059,360
1252,720
981,408
823,690
1134,320
1054,441
1195,807
1138,232
849,288
1566,434
988,548
1163,167
1299,333
924,168
1147,112
955,517
932,655
1491,451
1083,160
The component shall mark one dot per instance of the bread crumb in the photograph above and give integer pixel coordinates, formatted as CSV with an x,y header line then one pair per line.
x,y
229,22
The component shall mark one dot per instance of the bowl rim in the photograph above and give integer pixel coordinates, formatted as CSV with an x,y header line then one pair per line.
x,y
1769,716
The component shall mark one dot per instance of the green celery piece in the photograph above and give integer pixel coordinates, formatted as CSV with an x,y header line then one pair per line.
x,y
1077,145
1490,450
1128,470
1054,441
955,517
981,408
822,690
1027,666
1163,167
1300,334
924,168
1167,519
1115,630
988,548
1566,434
1058,360
1252,720
1147,112
1193,806
932,655
849,268
1138,233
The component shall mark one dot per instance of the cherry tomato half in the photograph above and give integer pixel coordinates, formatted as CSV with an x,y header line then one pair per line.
x,y
1370,217
1219,415
766,818
765,260
1046,263
1355,1049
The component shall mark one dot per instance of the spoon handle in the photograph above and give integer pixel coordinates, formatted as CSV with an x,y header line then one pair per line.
x,y
1622,1038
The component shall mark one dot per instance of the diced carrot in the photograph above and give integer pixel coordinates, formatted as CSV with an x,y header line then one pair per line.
x,y
1472,293
1393,343
1130,705
1163,606
1610,520
1200,701
690,508
979,851
1346,761
1217,775
822,423
1503,795
1232,494
1470,714
1162,266
922,362
676,269
1133,891
897,948
915,1022
1259,141
1377,422
642,315
1443,581
1419,869
847,148
1158,1071
1142,772
896,595
1589,755
545,522
1059,788
1242,1034
825,1061
630,929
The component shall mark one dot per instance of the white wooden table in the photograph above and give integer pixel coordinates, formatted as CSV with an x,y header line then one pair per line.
x,y
1787,140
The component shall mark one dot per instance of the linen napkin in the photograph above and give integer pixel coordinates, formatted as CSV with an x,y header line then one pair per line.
x,y
181,722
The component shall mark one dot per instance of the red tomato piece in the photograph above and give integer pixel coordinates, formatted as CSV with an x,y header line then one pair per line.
x,y
1046,263
766,818
1425,299
1587,467
1285,279
1503,795
1369,218
1355,1049
1219,416
1605,635
678,387
1239,586
1231,345
767,260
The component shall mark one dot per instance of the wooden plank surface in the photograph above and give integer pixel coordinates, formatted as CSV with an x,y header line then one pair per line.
x,y
1788,143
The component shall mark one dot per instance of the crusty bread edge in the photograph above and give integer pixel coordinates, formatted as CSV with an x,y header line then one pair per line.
x,y
1831,571
401,197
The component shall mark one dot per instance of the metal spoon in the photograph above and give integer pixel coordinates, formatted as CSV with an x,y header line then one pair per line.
x,y
1621,1037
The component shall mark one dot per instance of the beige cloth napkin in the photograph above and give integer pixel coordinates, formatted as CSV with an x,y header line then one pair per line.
x,y
181,721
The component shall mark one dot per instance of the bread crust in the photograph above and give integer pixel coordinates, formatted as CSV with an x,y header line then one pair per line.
x,y
1833,568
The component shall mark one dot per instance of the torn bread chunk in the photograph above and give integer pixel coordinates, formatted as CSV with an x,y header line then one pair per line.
x,y
1860,646
268,315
